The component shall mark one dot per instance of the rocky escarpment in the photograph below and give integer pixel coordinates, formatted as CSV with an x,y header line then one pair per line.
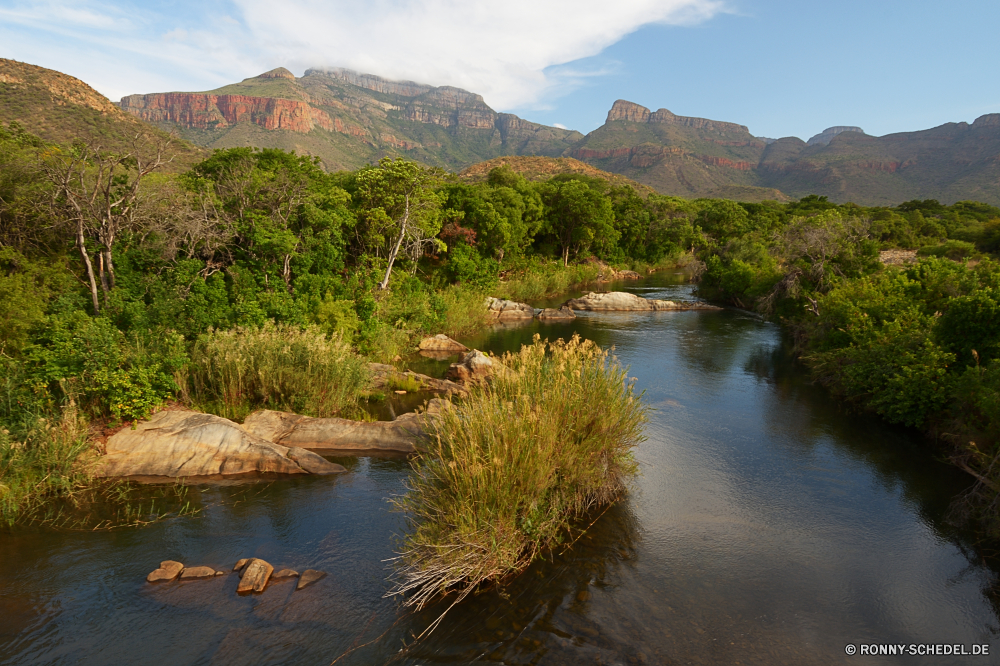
x,y
631,112
208,111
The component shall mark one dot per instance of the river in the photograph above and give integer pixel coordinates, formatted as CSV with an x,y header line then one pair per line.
x,y
768,525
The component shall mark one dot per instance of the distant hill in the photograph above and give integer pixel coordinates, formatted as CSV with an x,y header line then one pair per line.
x,y
60,108
543,168
695,157
349,119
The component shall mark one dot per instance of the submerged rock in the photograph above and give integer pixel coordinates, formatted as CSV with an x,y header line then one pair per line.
x,y
441,343
620,301
255,576
502,309
168,570
333,434
180,444
200,572
285,573
474,367
308,577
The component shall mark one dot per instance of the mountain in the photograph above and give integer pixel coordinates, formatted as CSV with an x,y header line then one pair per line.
x,y
826,136
696,157
60,108
349,119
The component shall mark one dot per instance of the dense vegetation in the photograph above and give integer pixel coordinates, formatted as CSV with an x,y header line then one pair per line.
x,y
123,286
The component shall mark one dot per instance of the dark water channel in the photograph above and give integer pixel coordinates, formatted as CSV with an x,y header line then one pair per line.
x,y
768,526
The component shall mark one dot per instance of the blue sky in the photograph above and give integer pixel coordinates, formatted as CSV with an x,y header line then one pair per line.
x,y
782,68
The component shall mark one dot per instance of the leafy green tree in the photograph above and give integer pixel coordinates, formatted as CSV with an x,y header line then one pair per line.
x,y
398,205
579,217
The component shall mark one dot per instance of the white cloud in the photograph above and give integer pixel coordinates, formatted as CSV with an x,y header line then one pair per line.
x,y
512,54
559,125
499,51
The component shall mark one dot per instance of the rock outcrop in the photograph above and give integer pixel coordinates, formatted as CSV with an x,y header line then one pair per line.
x,y
441,342
333,434
619,301
562,314
504,310
473,368
384,376
182,444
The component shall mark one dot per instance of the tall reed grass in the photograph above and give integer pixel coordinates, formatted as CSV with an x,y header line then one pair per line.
x,y
540,279
276,366
507,470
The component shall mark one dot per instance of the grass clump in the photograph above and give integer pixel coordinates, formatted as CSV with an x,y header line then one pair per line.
x,y
507,470
275,366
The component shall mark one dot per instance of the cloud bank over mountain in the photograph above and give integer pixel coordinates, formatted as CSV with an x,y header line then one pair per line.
x,y
509,53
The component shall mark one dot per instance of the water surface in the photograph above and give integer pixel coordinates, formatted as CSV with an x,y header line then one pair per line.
x,y
768,526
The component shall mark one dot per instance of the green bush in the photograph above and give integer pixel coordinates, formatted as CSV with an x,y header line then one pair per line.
x,y
952,249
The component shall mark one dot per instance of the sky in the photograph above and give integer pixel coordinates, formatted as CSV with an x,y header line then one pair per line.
x,y
780,67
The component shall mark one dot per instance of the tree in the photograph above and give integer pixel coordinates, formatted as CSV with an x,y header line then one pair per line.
x,y
398,206
98,192
579,216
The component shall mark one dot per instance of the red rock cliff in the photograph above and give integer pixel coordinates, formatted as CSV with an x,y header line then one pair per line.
x,y
202,111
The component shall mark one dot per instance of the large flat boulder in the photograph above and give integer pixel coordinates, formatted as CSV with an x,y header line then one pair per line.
x,y
333,434
183,444
504,310
620,301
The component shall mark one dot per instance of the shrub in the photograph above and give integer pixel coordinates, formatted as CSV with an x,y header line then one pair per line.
x,y
952,249
507,470
275,367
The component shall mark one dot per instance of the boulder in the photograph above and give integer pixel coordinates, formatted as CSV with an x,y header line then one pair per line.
x,y
285,573
333,434
383,375
180,444
313,462
474,367
199,572
620,301
551,314
308,577
503,309
168,570
241,563
442,343
255,576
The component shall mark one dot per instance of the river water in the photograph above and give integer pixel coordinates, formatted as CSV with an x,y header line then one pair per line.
x,y
768,526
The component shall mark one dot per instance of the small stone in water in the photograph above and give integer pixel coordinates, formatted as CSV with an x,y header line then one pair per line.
x,y
241,563
168,571
285,573
198,572
308,577
400,392
255,576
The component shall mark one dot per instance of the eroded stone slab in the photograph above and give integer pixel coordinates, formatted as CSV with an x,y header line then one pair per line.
x,y
331,434
181,444
620,301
